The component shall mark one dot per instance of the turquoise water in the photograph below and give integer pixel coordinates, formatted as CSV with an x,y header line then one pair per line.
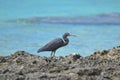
x,y
31,37
31,8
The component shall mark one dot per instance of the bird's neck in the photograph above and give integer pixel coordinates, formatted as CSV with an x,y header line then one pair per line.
x,y
66,40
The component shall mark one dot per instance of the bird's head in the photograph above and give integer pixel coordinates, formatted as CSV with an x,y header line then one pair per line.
x,y
68,34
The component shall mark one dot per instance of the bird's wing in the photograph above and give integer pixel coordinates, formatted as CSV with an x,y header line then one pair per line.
x,y
52,45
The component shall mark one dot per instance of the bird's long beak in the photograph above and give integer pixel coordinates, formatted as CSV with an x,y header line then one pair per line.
x,y
72,35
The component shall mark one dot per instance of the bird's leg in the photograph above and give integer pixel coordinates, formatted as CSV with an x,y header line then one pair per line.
x,y
51,54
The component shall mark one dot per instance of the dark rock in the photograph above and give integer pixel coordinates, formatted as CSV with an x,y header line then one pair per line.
x,y
54,70
34,62
76,56
2,59
20,73
104,52
87,71
21,78
19,60
5,71
43,77
102,65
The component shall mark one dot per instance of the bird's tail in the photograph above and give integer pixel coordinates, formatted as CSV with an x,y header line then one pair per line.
x,y
39,50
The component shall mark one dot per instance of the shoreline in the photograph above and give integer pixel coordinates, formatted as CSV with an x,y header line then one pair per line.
x,y
101,65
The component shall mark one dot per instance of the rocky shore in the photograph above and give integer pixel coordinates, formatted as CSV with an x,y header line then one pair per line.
x,y
101,65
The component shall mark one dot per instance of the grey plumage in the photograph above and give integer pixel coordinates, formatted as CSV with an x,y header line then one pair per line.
x,y
55,44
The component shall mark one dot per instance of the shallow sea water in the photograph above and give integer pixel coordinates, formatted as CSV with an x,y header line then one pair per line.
x,y
30,37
